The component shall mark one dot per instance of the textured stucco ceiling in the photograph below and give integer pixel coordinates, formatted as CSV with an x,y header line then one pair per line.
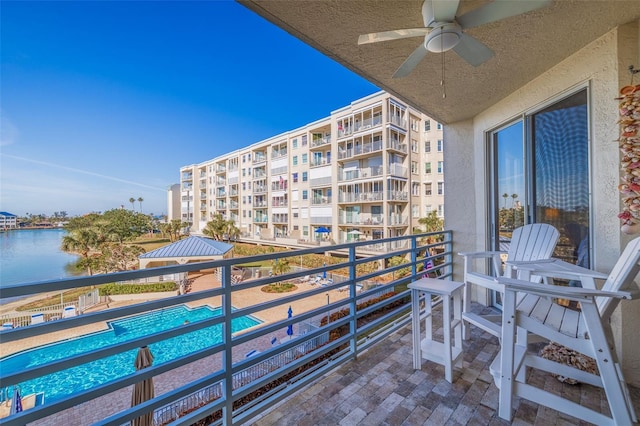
x,y
525,45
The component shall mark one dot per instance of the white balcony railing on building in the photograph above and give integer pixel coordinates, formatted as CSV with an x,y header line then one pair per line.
x,y
398,170
364,173
397,196
316,142
361,197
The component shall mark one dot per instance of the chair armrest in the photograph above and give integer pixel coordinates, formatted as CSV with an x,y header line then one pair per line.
x,y
571,293
555,268
480,254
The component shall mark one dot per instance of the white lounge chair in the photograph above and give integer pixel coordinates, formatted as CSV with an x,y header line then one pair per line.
x,y
530,309
69,311
529,242
37,318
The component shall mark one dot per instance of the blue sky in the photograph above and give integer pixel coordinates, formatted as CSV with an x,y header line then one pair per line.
x,y
104,101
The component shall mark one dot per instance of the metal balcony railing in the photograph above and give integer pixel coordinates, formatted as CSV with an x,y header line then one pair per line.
x,y
226,373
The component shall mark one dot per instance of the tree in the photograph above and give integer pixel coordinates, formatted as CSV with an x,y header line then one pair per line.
x,y
505,196
123,225
84,242
132,201
432,222
216,228
280,267
140,200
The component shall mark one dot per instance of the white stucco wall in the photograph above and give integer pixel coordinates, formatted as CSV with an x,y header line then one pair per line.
x,y
602,65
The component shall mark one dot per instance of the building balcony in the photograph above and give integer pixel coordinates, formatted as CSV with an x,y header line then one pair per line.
x,y
259,158
308,376
360,149
316,142
397,146
397,196
320,162
361,197
318,201
363,219
364,173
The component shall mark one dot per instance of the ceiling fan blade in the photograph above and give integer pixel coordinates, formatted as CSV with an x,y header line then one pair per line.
x,y
410,63
444,10
472,50
392,35
497,10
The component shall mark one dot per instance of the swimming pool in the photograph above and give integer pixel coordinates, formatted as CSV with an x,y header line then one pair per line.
x,y
67,382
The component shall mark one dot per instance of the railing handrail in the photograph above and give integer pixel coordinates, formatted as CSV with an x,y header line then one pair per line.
x,y
358,338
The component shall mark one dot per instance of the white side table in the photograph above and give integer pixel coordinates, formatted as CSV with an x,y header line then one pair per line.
x,y
448,353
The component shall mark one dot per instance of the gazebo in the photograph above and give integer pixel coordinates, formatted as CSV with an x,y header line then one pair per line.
x,y
188,250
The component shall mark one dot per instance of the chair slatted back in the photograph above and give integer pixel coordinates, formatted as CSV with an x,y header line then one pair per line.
x,y
621,278
533,242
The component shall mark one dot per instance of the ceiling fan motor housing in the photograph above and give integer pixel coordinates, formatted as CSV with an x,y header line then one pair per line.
x,y
445,36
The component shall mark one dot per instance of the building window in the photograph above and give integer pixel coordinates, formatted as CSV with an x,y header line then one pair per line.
x,y
415,188
249,199
428,208
304,176
414,167
427,167
295,160
439,126
440,166
304,158
305,231
439,145
244,200
427,146
440,188
428,189
244,172
249,171
305,194
440,210
427,125
295,142
415,211
414,145
304,140
295,178
244,186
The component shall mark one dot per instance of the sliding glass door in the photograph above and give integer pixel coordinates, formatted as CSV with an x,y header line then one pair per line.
x,y
539,173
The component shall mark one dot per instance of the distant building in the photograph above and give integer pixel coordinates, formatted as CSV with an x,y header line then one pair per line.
x,y
369,170
173,202
8,220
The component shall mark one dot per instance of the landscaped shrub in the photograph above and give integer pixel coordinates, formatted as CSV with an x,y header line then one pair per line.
x,y
112,289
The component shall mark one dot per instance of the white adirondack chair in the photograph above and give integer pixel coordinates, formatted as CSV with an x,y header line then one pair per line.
x,y
529,308
529,242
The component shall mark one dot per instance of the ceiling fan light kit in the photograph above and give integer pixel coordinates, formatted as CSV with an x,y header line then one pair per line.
x,y
443,38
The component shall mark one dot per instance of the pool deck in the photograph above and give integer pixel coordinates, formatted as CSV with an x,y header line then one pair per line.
x,y
100,408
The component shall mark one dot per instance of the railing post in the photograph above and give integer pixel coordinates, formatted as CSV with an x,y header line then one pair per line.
x,y
414,255
227,355
449,257
353,326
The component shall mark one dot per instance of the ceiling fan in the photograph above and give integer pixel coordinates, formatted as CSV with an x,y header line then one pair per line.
x,y
443,30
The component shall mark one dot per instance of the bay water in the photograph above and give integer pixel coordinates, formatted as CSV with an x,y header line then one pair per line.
x,y
30,255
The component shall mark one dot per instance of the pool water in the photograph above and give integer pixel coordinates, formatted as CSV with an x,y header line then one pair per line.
x,y
67,382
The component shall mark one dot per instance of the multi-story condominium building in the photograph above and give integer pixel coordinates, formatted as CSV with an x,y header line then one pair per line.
x,y
368,171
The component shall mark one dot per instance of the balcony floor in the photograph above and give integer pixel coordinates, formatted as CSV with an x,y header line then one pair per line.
x,y
382,388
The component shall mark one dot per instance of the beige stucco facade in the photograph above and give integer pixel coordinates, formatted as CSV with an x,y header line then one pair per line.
x,y
602,67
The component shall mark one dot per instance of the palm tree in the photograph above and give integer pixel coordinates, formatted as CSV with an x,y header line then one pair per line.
x,y
140,200
514,196
505,196
132,201
81,241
